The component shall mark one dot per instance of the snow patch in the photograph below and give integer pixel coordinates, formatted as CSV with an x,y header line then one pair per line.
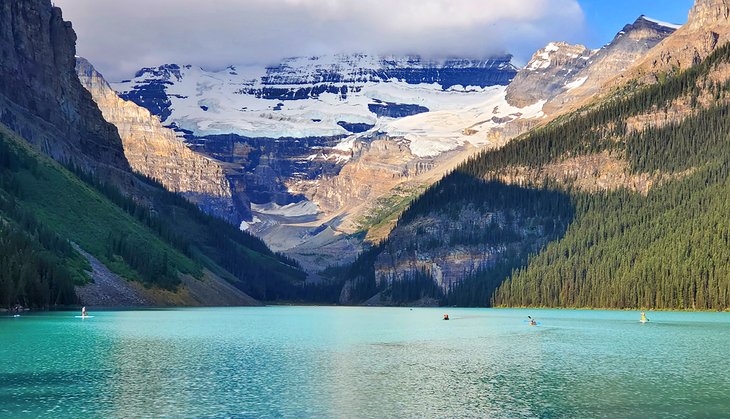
x,y
247,225
298,209
346,144
230,101
552,47
662,23
543,61
576,84
229,112
432,133
540,63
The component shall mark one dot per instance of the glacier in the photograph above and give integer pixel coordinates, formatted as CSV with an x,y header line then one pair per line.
x,y
427,102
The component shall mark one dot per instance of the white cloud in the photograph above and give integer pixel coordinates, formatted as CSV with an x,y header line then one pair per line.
x,y
119,37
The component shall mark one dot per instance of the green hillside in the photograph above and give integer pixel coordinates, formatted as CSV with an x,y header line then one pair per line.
x,y
667,250
43,206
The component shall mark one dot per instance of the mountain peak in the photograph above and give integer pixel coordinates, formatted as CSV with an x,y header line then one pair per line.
x,y
556,53
707,27
549,70
645,28
643,19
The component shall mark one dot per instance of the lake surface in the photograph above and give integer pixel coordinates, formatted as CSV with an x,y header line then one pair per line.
x,y
364,362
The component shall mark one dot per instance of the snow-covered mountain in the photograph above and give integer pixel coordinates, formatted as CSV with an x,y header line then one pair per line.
x,y
288,133
569,75
313,97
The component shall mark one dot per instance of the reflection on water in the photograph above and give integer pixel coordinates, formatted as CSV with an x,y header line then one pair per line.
x,y
364,362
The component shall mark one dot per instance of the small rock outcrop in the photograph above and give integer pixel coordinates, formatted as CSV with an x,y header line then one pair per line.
x,y
707,13
375,168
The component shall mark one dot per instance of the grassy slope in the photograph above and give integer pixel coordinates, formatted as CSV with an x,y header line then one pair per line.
x,y
74,210
384,214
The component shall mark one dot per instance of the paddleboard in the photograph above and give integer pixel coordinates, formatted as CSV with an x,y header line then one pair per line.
x,y
644,321
84,317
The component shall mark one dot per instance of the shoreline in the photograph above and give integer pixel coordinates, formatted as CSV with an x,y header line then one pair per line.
x,y
280,304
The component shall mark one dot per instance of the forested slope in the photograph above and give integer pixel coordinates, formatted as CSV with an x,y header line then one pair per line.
x,y
44,207
623,249
665,250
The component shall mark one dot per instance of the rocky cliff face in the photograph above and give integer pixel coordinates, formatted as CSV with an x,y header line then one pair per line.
x,y
435,244
707,27
706,13
593,173
41,97
156,151
376,166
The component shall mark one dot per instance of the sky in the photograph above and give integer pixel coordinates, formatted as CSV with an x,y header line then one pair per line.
x,y
120,37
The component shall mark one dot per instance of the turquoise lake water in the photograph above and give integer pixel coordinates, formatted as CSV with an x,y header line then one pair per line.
x,y
364,362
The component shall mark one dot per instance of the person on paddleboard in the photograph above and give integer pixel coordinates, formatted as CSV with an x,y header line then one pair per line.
x,y
83,312
643,318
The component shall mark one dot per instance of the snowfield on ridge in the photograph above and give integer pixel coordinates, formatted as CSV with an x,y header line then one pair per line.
x,y
430,104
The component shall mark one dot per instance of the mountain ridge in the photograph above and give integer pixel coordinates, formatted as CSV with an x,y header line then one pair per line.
x,y
706,29
254,94
309,130
413,132
567,76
